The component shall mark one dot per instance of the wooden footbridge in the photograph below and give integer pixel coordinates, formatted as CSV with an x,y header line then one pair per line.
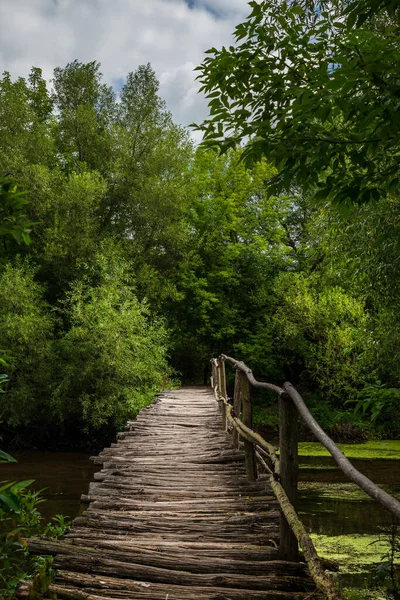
x,y
182,511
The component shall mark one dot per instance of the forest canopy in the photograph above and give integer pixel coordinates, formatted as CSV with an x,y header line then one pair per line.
x,y
129,257
314,87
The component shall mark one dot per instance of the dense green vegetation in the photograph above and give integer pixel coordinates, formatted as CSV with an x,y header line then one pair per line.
x,y
312,88
20,518
149,256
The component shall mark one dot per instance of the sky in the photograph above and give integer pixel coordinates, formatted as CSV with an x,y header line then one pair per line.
x,y
121,34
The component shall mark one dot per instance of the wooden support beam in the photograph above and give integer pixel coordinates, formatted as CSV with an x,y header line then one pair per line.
x,y
236,407
247,410
223,391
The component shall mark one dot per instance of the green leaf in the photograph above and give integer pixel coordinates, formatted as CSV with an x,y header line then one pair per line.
x,y
10,501
351,19
6,485
297,10
26,238
6,458
20,485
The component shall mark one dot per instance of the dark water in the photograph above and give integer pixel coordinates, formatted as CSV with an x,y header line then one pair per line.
x,y
330,509
330,505
65,475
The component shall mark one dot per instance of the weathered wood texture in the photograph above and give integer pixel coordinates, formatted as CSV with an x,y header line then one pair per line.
x,y
373,490
289,467
173,516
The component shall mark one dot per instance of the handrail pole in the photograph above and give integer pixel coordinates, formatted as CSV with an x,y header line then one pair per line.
x,y
289,469
236,408
213,379
247,412
223,391
218,375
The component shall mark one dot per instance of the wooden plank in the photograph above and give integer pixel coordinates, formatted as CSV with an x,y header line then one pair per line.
x,y
173,515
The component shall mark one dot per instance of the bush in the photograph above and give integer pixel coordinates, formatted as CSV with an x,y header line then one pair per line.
x,y
20,519
320,336
26,332
113,359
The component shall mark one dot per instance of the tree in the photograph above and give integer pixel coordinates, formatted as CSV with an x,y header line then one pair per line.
x,y
14,222
314,90
25,115
86,112
146,203
26,331
61,202
237,245
112,360
61,288
319,332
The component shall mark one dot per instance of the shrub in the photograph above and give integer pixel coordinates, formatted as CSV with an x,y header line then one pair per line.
x,y
321,334
26,332
19,519
113,358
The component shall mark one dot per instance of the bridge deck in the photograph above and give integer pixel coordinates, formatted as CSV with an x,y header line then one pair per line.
x,y
172,516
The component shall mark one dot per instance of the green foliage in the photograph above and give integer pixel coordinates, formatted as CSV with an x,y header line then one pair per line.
x,y
6,458
19,519
25,116
112,360
13,218
238,242
147,203
102,179
315,90
26,330
136,233
86,107
387,570
266,415
62,201
319,330
57,526
3,376
14,224
378,402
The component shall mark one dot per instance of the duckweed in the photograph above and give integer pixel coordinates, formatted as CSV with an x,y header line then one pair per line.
x,y
377,449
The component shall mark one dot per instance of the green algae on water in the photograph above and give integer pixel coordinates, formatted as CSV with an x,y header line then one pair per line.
x,y
358,556
345,492
378,449
355,553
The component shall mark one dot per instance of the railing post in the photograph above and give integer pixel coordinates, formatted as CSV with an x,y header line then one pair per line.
x,y
213,373
218,373
222,382
236,408
247,412
289,467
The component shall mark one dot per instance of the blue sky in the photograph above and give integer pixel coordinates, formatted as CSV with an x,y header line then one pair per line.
x,y
121,34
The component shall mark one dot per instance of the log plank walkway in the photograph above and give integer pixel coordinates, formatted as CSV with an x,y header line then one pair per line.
x,y
171,516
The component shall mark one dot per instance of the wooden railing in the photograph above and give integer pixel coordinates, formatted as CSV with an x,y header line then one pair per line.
x,y
283,471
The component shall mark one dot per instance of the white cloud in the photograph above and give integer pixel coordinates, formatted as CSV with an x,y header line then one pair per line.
x,y
121,35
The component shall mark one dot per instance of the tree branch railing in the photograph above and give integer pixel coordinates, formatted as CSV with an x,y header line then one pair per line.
x,y
283,471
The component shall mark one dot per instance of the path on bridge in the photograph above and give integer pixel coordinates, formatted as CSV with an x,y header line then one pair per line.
x,y
172,517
